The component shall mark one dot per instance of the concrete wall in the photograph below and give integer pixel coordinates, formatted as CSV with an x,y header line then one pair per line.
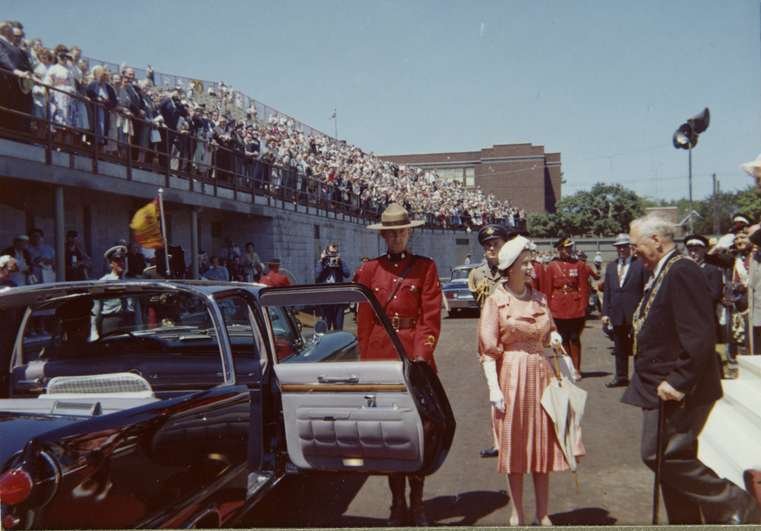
x,y
295,237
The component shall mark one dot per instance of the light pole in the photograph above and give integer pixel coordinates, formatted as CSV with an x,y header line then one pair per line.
x,y
686,137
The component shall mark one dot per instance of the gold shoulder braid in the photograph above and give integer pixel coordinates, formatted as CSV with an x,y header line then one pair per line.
x,y
640,314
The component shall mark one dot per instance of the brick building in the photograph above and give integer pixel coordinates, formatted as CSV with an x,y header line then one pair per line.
x,y
521,173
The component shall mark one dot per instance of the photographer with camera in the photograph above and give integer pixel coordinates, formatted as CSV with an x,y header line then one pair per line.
x,y
330,270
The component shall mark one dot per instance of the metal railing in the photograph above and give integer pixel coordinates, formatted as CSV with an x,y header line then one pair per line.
x,y
115,135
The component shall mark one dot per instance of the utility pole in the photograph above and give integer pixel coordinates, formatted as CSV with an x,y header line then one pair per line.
x,y
715,204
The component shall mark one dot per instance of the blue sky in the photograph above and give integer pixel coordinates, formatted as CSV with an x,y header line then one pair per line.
x,y
604,82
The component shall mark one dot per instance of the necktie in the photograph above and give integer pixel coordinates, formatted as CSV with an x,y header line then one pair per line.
x,y
620,272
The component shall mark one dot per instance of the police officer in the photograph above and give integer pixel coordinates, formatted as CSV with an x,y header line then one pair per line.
x,y
407,288
483,280
114,314
566,284
697,247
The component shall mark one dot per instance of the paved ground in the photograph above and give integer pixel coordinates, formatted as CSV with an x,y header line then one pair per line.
x,y
614,486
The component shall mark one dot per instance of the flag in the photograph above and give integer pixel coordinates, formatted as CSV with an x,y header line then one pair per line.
x,y
146,226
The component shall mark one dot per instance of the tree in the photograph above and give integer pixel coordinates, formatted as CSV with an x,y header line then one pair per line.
x,y
605,210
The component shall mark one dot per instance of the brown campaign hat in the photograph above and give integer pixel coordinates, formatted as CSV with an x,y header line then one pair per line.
x,y
395,217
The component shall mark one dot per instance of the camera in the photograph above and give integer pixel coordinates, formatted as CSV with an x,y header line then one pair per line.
x,y
333,261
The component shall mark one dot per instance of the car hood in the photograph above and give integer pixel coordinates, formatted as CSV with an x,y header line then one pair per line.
x,y
17,429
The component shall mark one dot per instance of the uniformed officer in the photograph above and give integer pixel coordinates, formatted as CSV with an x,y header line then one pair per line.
x,y
407,288
119,313
566,285
697,247
483,280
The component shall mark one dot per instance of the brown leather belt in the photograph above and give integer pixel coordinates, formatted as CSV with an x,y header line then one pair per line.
x,y
401,323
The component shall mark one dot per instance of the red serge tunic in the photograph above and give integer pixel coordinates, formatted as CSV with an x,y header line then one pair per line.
x,y
415,308
566,285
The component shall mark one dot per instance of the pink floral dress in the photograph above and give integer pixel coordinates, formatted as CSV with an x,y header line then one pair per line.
x,y
515,332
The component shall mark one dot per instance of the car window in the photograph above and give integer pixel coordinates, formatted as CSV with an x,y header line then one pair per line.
x,y
334,330
168,338
459,274
244,337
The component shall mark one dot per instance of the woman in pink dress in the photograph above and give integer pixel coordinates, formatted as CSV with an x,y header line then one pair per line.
x,y
515,327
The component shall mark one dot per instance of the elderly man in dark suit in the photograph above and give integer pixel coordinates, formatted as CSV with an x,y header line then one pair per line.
x,y
675,362
624,281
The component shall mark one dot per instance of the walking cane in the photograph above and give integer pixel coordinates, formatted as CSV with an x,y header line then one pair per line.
x,y
658,459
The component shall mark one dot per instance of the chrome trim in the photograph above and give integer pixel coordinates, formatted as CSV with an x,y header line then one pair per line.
x,y
228,375
57,475
203,514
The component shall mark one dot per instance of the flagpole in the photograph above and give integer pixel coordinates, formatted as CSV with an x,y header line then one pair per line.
x,y
335,124
163,231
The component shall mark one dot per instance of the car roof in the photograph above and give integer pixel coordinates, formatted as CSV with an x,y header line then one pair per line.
x,y
36,293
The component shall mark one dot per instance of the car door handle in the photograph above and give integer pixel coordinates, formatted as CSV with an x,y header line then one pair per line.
x,y
338,379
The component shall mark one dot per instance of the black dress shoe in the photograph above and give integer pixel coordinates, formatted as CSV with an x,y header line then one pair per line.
x,y
618,382
489,452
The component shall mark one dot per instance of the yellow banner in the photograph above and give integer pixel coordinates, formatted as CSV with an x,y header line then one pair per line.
x,y
146,226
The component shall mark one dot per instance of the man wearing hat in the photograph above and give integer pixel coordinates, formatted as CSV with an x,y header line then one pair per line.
x,y
118,313
407,288
625,280
483,280
274,278
566,285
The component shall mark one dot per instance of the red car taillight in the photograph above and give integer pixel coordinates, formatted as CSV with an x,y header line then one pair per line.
x,y
450,294
15,486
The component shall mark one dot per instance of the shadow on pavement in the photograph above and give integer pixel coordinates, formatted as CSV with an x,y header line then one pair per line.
x,y
314,500
466,508
595,374
583,516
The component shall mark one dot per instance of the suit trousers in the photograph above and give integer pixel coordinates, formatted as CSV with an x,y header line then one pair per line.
x,y
622,349
689,487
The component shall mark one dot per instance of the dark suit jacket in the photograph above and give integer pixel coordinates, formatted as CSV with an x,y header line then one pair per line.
x,y
618,302
715,279
677,342
13,58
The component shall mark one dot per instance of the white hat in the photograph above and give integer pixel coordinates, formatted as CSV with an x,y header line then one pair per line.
x,y
752,168
511,251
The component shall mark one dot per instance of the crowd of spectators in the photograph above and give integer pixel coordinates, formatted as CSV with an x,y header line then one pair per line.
x,y
207,131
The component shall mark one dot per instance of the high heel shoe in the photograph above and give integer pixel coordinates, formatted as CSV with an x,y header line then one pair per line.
x,y
514,520
544,522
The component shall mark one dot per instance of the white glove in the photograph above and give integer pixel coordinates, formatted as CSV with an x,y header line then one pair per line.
x,y
496,397
556,340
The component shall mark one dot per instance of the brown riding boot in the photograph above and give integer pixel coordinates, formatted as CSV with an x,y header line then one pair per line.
x,y
416,501
398,516
575,353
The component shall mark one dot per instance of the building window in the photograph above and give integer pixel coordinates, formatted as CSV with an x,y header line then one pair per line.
x,y
470,177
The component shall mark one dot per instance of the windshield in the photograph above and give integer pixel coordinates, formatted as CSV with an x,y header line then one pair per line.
x,y
168,338
460,274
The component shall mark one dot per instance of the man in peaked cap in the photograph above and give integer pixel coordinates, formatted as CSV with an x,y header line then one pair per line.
x,y
566,285
116,257
407,288
625,279
483,280
697,247
739,222
117,313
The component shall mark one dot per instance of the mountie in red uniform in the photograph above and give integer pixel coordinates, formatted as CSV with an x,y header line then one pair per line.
x,y
407,286
566,285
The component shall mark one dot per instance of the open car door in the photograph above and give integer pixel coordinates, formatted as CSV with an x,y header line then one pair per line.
x,y
350,404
